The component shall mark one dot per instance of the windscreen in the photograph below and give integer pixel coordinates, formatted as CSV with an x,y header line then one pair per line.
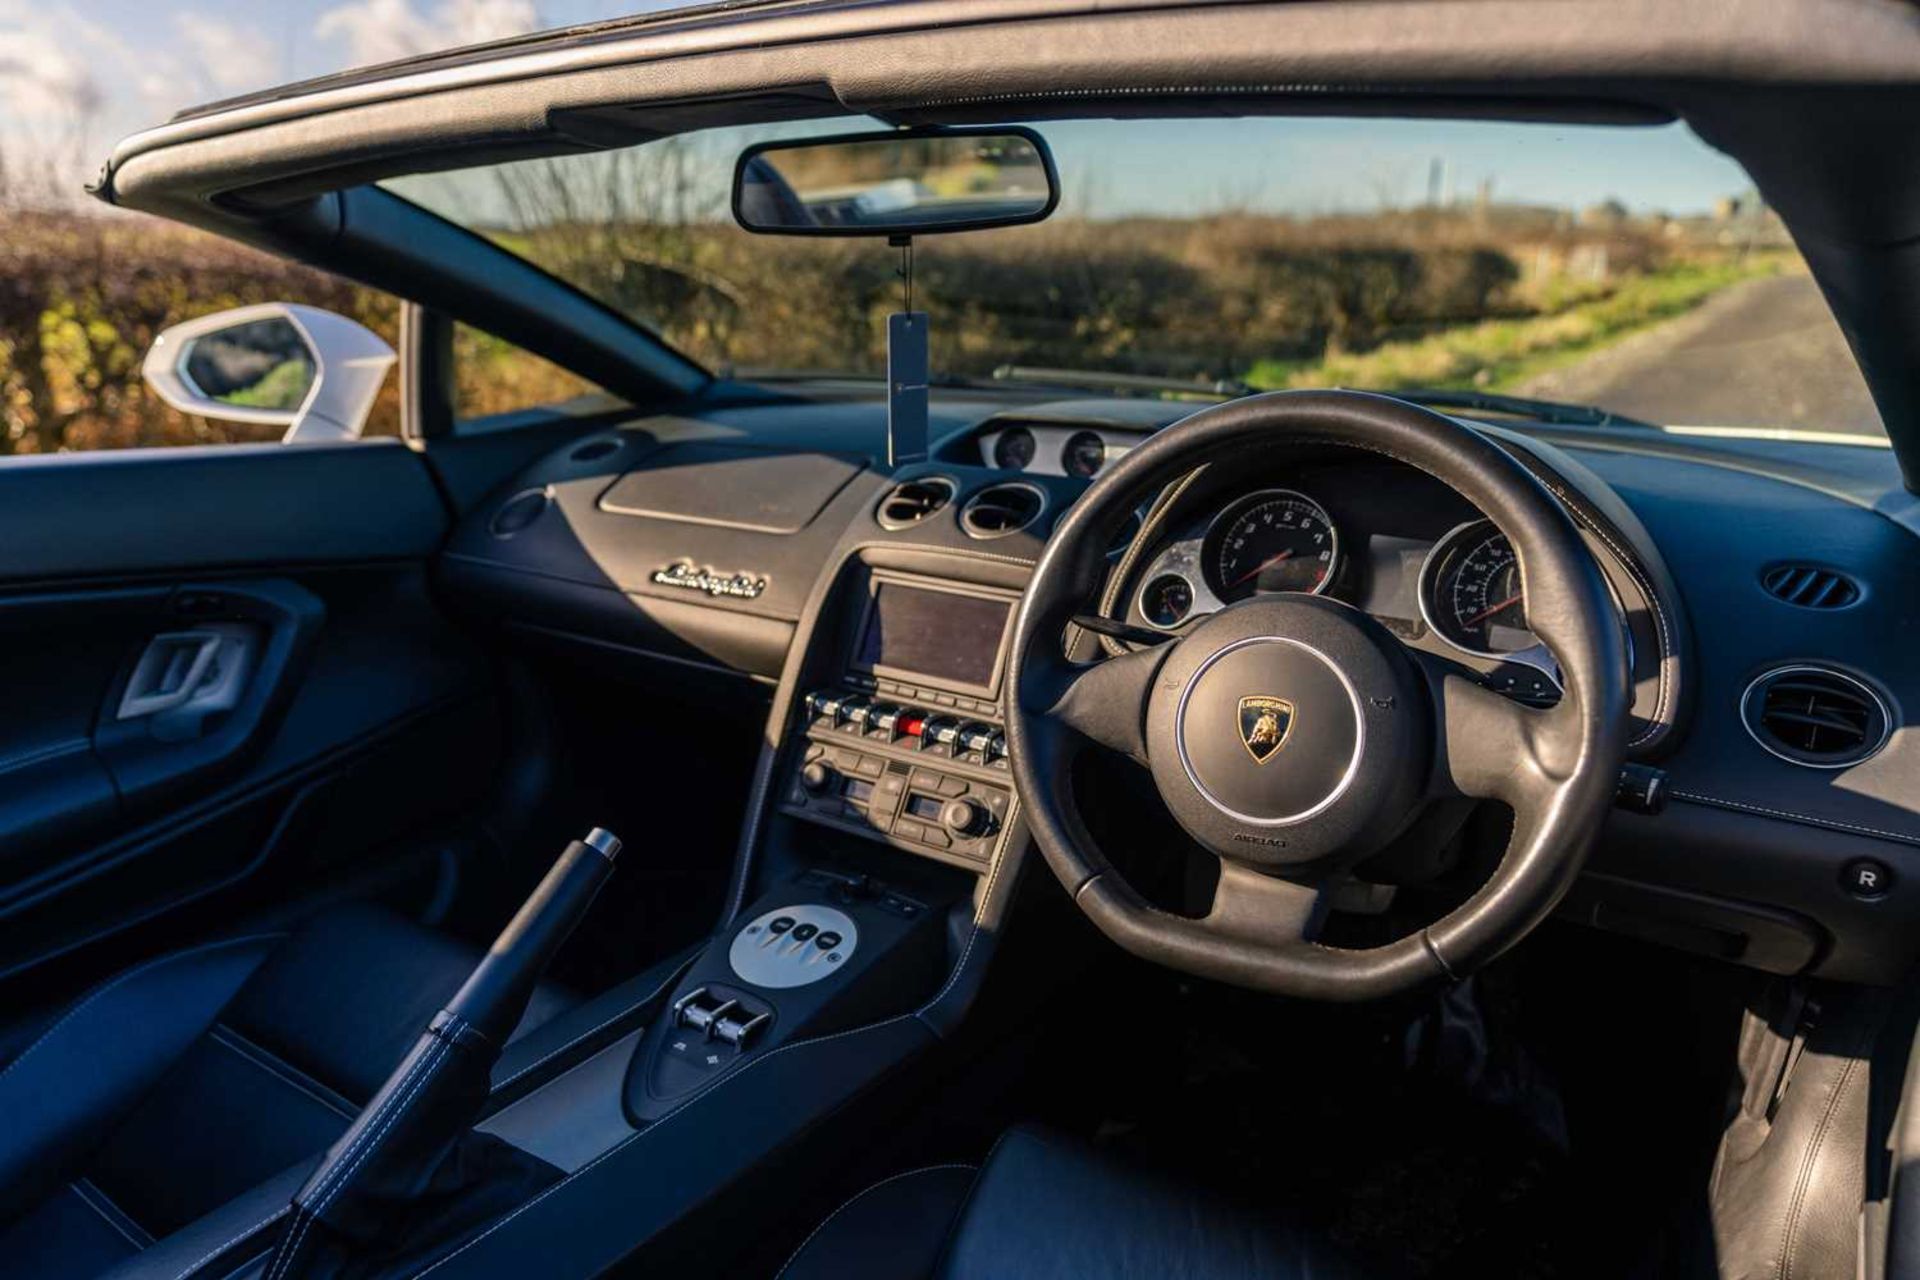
x,y
1631,268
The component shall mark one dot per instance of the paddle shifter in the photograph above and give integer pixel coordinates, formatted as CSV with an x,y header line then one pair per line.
x,y
412,1143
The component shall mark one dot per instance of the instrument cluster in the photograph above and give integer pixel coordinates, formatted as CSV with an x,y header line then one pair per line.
x,y
1463,586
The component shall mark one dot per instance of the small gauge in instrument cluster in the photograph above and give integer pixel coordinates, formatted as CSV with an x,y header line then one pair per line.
x,y
1014,449
1083,455
1274,540
1166,601
1471,593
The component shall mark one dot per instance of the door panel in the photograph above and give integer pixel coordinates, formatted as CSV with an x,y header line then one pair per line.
x,y
226,683
136,511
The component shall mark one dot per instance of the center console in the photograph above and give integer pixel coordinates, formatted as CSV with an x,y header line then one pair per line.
x,y
900,745
821,952
906,746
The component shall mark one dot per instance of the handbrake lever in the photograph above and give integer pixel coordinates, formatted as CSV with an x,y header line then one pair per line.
x,y
389,1155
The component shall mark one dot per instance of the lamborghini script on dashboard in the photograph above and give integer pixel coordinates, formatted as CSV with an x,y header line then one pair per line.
x,y
743,585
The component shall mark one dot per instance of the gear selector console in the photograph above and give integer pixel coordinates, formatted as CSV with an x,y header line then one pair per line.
x,y
793,946
794,967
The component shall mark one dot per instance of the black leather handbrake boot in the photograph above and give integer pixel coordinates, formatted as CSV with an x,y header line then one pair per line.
x,y
411,1154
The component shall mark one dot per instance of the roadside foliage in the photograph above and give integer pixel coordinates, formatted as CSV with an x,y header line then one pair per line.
x,y
1467,296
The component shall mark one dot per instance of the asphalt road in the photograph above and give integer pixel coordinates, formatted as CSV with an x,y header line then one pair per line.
x,y
1765,353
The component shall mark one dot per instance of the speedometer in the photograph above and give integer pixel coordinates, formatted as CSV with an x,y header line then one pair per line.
x,y
1471,593
1274,540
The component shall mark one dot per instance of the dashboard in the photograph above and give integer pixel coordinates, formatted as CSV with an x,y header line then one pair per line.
x,y
757,543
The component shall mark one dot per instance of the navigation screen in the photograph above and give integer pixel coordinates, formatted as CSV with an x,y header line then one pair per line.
x,y
934,634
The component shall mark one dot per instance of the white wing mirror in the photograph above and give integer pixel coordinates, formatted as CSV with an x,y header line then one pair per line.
x,y
277,365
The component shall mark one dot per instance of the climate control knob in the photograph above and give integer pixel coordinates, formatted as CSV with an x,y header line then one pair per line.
x,y
966,817
816,777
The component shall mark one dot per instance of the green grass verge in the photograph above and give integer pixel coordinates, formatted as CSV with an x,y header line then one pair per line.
x,y
284,386
1496,354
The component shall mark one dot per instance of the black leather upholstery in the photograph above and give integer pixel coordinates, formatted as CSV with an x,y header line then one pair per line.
x,y
185,1083
894,1230
1045,1207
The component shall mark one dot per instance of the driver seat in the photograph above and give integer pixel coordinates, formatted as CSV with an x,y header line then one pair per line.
x,y
1046,1207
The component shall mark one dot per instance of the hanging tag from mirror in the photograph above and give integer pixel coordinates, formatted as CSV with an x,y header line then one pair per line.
x,y
907,363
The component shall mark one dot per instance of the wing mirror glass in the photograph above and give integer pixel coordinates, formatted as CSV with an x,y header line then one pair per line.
x,y
277,364
903,183
255,364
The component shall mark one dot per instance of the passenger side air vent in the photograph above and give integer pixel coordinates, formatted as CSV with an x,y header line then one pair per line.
x,y
914,500
1810,586
1001,509
1815,716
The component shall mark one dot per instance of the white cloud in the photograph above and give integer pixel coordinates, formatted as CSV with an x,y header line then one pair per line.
x,y
58,74
43,77
229,58
384,30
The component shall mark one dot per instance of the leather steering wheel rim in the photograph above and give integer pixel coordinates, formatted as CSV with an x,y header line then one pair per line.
x,y
1418,738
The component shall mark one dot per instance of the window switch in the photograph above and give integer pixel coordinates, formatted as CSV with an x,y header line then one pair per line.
x,y
740,1027
699,1010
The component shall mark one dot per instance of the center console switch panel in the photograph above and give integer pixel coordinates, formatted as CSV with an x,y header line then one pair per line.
x,y
905,745
909,795
817,954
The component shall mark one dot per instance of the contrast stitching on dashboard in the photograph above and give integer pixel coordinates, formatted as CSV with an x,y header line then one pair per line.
x,y
1117,581
960,553
1809,819
854,1199
960,966
1627,562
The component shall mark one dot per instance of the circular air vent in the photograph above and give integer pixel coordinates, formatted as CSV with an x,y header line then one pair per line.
x,y
912,501
1001,509
519,511
1810,586
1815,716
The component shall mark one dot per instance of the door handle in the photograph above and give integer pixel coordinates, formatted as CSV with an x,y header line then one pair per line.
x,y
202,669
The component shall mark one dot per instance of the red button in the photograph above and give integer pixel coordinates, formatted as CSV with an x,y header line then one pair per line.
x,y
911,726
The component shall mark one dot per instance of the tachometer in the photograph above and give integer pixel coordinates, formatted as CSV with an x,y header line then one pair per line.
x,y
1274,540
1471,593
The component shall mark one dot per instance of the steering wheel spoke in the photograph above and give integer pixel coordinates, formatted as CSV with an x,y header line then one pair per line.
x,y
1266,910
1104,702
1491,747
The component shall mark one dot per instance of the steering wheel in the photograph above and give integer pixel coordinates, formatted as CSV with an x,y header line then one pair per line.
x,y
1293,736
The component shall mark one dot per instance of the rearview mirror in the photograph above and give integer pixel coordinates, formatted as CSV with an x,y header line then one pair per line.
x,y
905,182
276,364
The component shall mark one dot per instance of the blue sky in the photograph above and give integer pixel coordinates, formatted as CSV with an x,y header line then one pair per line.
x,y
76,76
